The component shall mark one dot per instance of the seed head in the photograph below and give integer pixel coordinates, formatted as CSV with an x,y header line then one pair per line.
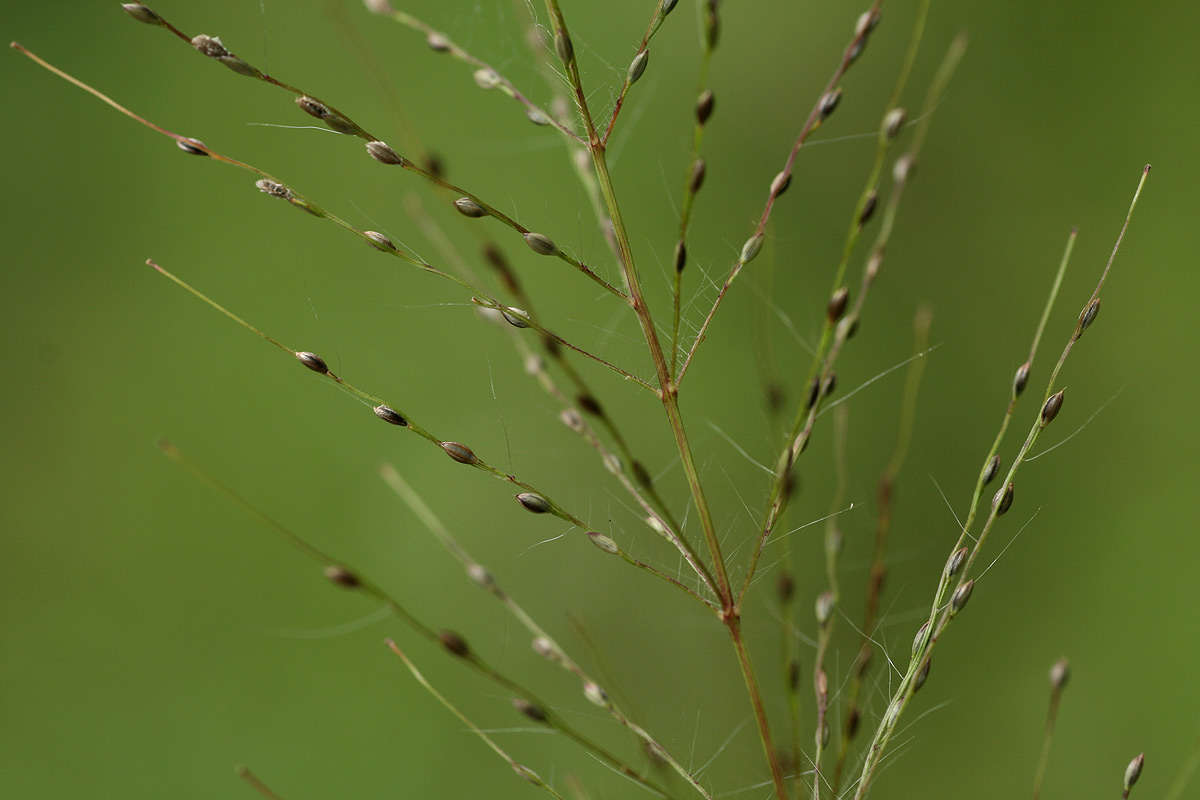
x,y
923,675
1003,499
822,733
830,102
1060,673
469,208
903,168
480,576
390,416
460,452
486,78
571,418
837,305
437,42
1052,407
893,121
313,362
704,106
668,6
605,543
517,317
563,47
699,171
193,147
209,45
852,721
380,241
637,67
545,648
961,595
342,576
273,188
527,708
751,248
315,108
534,502
540,244
528,774
828,384
379,6
595,694
1134,771
1088,316
916,645
955,562
680,256
824,608
141,13
381,152
537,117
454,643
866,23
868,209
780,183
712,25
1020,379
589,405
990,470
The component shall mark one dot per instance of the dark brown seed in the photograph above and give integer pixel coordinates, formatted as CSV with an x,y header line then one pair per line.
x,y
990,470
435,166
785,587
454,643
459,452
813,388
534,502
837,305
563,46
641,474
1052,407
469,208
829,385
342,576
141,13
699,170
680,256
793,674
830,102
868,210
384,154
704,106
1020,379
193,147
668,6
313,361
209,45
390,416
1003,499
527,708
590,405
852,721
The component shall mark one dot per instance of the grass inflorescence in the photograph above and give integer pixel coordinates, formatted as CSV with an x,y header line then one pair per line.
x,y
818,755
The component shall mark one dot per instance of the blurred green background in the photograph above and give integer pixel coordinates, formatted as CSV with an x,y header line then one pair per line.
x,y
155,634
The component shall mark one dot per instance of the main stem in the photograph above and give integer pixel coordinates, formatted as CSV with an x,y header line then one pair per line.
x,y
669,394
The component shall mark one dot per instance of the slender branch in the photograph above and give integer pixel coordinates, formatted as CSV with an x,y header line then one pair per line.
x,y
935,625
256,783
342,123
668,392
521,770
820,111
543,643
638,65
847,325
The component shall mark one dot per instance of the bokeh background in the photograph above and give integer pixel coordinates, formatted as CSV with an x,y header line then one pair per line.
x,y
154,634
